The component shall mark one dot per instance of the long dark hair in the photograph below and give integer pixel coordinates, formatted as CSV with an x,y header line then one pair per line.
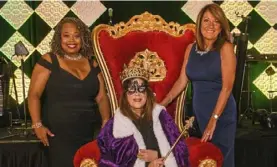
x,y
86,42
125,107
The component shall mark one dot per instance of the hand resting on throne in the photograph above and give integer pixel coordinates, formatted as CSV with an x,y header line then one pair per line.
x,y
141,132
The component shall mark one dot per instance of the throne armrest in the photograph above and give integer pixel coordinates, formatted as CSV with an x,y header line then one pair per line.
x,y
87,155
203,154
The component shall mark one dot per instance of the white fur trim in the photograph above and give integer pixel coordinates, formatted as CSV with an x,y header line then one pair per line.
x,y
124,127
161,137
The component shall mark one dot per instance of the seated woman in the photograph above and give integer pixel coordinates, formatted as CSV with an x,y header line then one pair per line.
x,y
141,132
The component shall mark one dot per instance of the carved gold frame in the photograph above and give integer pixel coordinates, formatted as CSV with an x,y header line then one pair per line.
x,y
144,22
88,162
208,163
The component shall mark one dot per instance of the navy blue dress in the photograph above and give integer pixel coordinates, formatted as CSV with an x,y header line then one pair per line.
x,y
204,71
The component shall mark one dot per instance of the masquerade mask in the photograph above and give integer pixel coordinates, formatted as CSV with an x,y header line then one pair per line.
x,y
135,87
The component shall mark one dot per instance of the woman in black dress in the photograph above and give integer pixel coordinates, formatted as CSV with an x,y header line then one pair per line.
x,y
71,86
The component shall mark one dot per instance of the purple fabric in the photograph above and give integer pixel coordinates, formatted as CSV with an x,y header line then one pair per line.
x,y
123,152
116,152
171,131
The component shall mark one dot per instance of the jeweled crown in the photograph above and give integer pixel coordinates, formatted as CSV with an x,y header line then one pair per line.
x,y
133,72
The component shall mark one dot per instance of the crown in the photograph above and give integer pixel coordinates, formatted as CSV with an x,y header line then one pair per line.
x,y
133,72
152,63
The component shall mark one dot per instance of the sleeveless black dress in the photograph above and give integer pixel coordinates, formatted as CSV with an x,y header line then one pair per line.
x,y
69,111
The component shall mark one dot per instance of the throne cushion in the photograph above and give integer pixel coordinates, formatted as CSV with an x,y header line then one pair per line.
x,y
199,153
120,51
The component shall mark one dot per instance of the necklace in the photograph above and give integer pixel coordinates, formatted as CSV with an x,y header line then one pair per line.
x,y
201,52
73,58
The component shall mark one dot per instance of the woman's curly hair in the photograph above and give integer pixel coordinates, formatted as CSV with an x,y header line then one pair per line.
x,y
86,42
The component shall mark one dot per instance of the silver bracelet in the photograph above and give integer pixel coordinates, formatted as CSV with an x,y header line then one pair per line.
x,y
37,125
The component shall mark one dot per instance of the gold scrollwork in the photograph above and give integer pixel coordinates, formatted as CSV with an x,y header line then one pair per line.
x,y
152,63
148,22
88,162
145,22
208,163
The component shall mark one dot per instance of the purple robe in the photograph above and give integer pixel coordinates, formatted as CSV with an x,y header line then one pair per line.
x,y
119,141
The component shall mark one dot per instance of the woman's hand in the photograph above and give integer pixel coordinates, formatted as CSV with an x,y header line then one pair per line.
x,y
209,131
42,133
156,163
147,155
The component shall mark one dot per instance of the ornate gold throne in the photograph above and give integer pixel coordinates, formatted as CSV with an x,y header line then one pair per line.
x,y
147,41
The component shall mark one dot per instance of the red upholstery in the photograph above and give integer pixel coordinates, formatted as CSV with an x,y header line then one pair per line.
x,y
120,51
89,150
198,151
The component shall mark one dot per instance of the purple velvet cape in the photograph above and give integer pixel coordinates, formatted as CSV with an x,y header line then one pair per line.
x,y
122,152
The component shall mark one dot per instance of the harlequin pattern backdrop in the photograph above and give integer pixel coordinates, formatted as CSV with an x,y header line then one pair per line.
x,y
32,22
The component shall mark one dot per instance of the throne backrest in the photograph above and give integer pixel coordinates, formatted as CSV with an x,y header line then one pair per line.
x,y
145,40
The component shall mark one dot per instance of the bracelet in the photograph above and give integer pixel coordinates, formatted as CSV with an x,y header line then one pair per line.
x,y
215,116
37,125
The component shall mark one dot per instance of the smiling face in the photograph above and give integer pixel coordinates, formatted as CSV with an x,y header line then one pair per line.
x,y
136,95
70,39
210,26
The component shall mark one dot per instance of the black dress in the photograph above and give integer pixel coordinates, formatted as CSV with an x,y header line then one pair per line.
x,y
145,127
69,111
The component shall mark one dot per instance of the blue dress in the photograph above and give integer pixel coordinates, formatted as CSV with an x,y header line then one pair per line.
x,y
204,71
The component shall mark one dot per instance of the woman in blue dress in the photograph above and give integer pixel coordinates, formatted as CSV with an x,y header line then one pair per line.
x,y
210,65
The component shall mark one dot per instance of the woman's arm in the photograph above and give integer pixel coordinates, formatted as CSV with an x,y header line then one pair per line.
x,y
103,101
39,79
228,70
180,83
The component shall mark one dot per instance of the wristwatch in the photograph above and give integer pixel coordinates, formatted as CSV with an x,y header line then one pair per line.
x,y
216,116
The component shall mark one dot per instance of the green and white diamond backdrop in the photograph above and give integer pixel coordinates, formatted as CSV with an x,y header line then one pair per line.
x,y
32,22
